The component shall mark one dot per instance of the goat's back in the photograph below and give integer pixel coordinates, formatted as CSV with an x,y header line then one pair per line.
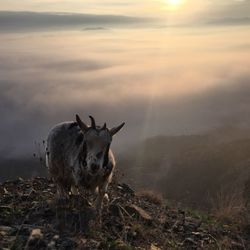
x,y
63,147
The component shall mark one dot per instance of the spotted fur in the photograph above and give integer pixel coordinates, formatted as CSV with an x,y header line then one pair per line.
x,y
68,159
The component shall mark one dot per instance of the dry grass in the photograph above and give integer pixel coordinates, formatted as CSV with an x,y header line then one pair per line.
x,y
229,244
151,196
228,205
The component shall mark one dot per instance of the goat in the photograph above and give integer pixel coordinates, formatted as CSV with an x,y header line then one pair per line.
x,y
79,158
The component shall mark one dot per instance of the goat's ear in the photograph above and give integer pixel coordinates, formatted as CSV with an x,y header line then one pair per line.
x,y
81,124
114,130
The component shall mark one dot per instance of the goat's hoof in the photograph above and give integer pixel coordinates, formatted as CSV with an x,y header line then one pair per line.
x,y
106,199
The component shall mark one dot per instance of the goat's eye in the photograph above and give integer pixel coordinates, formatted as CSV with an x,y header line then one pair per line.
x,y
99,155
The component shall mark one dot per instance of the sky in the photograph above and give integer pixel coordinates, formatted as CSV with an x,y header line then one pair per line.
x,y
165,67
185,10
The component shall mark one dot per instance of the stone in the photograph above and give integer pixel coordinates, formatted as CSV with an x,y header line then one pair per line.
x,y
126,189
36,240
154,247
137,211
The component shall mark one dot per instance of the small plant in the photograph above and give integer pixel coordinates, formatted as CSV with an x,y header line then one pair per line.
x,y
200,215
227,205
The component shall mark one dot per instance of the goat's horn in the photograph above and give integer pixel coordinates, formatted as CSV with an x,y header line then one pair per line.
x,y
104,126
92,122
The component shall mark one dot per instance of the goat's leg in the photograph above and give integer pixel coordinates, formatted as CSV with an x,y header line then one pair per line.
x,y
62,194
101,196
85,195
74,190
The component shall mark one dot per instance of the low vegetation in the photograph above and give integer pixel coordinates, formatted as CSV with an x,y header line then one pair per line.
x,y
228,206
30,218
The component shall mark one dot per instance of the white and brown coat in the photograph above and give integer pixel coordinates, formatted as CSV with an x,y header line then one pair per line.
x,y
79,157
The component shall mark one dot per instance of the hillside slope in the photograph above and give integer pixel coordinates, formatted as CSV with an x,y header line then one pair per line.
x,y
31,219
190,169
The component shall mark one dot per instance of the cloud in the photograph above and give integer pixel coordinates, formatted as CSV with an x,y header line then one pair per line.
x,y
225,13
130,14
233,9
38,21
80,65
29,111
75,65
126,7
181,82
229,21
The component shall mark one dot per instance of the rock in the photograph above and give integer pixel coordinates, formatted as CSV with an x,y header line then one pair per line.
x,y
6,191
56,237
137,211
190,240
126,189
36,240
153,247
52,245
197,234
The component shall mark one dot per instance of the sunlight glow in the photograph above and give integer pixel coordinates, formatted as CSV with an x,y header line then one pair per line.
x,y
173,4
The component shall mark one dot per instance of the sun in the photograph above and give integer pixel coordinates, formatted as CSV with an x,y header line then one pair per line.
x,y
174,4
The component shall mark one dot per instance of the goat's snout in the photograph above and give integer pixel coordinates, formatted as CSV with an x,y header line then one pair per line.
x,y
94,167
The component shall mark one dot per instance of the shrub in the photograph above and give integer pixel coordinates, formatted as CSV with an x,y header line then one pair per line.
x,y
228,205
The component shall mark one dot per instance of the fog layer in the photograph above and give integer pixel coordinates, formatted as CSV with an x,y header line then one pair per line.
x,y
158,80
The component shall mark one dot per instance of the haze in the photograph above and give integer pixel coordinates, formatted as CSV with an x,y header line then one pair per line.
x,y
163,67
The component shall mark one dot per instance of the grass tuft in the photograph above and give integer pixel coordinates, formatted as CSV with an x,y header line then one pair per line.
x,y
227,206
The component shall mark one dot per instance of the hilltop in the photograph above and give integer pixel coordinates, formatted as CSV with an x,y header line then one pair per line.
x,y
30,218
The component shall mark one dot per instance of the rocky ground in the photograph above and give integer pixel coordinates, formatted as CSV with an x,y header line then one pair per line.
x,y
30,218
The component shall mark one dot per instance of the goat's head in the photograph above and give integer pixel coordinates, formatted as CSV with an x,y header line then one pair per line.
x,y
97,141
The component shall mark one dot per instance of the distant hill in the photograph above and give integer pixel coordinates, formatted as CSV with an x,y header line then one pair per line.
x,y
193,168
